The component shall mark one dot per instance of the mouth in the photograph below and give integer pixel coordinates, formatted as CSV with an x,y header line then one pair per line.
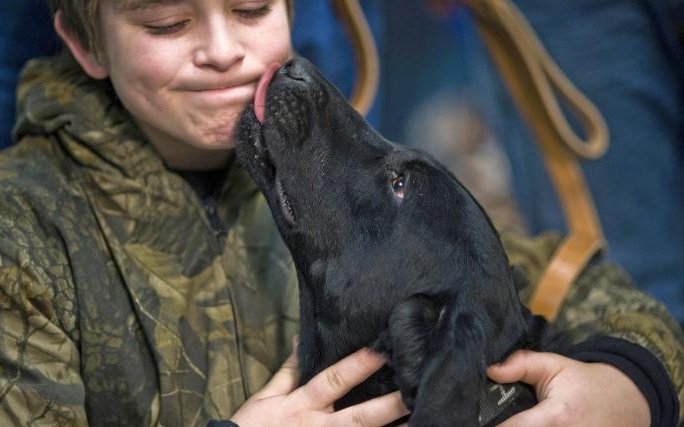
x,y
255,155
284,202
222,97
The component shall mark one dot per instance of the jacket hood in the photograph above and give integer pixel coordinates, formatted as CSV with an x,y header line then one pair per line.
x,y
56,97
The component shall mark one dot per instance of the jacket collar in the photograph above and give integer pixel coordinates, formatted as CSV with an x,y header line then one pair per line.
x,y
56,97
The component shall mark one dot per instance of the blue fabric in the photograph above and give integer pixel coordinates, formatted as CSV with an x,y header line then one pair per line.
x,y
626,56
421,59
318,36
25,32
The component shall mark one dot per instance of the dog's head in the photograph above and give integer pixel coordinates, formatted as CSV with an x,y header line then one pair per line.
x,y
371,224
339,191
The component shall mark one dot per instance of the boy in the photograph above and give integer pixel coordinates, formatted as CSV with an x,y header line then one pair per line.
x,y
142,279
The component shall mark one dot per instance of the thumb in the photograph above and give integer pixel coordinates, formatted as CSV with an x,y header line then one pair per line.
x,y
536,369
285,380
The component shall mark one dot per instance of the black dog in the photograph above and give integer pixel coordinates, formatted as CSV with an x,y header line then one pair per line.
x,y
392,252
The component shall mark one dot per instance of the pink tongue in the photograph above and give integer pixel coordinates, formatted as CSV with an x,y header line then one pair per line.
x,y
262,86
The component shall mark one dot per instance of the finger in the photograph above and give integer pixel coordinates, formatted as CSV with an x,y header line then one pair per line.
x,y
527,366
538,416
334,382
375,412
285,380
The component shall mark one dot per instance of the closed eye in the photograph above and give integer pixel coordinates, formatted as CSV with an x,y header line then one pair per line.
x,y
167,29
253,14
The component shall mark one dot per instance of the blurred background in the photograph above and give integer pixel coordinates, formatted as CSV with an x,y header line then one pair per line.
x,y
439,92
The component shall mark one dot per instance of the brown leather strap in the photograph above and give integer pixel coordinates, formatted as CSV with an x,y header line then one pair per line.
x,y
365,53
535,81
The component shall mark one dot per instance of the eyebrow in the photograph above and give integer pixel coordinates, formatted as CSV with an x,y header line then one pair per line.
x,y
134,5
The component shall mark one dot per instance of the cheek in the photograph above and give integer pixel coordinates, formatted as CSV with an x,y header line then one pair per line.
x,y
274,44
143,66
149,71
282,48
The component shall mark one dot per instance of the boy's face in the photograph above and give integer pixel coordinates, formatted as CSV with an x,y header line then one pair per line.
x,y
185,69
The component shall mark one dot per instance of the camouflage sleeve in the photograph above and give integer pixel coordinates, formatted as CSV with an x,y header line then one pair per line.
x,y
605,301
40,384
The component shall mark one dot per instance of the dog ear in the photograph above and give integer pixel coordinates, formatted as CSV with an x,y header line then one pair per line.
x,y
453,373
409,327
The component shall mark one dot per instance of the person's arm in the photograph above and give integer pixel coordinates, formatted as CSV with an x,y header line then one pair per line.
x,y
40,382
610,322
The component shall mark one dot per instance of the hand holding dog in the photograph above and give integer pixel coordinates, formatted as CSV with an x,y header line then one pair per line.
x,y
281,403
572,393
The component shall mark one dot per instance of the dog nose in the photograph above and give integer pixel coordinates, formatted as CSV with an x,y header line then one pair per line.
x,y
294,70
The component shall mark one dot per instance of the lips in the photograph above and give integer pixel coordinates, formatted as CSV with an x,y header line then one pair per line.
x,y
262,87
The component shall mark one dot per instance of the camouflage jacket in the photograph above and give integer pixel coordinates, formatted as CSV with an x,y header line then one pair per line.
x,y
119,305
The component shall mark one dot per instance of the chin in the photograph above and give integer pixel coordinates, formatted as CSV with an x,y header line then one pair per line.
x,y
216,141
220,145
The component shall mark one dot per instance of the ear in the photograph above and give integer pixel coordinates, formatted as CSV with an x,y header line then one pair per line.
x,y
86,59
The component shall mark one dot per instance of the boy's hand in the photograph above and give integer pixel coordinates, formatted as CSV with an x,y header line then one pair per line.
x,y
572,393
280,403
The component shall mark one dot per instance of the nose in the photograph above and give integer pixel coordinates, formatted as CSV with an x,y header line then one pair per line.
x,y
295,69
219,47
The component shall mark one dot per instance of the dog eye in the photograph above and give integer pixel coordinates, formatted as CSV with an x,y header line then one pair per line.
x,y
398,184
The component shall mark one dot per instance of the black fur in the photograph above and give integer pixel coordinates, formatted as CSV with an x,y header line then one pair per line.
x,y
423,278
